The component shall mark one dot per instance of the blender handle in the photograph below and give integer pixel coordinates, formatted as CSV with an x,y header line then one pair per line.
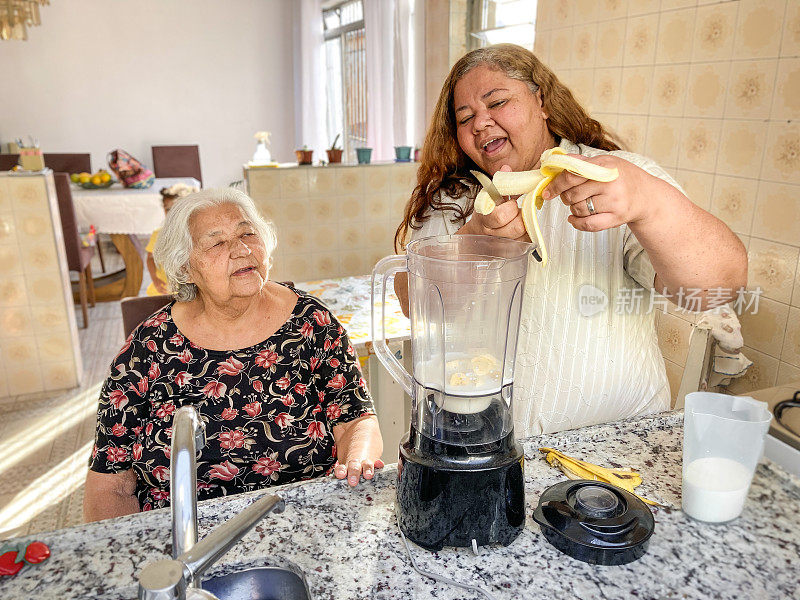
x,y
385,268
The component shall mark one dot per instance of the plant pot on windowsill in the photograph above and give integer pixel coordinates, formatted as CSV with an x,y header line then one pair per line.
x,y
334,155
304,156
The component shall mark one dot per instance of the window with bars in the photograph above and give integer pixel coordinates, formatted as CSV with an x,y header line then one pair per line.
x,y
346,75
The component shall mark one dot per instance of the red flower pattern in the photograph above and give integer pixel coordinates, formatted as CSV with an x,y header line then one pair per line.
x,y
225,471
315,430
118,399
230,367
266,466
161,473
215,389
258,386
253,409
182,378
231,439
229,414
334,411
337,382
307,330
266,359
322,317
118,429
284,420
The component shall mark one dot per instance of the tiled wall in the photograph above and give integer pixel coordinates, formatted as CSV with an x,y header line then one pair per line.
x,y
39,348
332,221
711,90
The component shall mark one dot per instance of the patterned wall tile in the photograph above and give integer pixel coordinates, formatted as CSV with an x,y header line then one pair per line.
x,y
266,185
714,32
352,206
350,180
791,344
584,46
19,351
10,261
777,214
640,40
633,133
764,329
560,54
796,292
23,380
643,7
322,182
669,90
758,22
790,41
586,11
8,228
741,148
762,374
581,82
787,373
377,180
29,194
675,30
750,89
698,187
786,101
733,200
40,257
44,289
706,90
635,90
5,197
541,44
772,267
610,43
612,9
13,291
563,13
294,182
699,144
782,156
606,90
59,375
15,321
663,138
667,5
673,338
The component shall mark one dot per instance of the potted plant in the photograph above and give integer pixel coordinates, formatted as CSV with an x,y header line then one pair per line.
x,y
304,155
334,153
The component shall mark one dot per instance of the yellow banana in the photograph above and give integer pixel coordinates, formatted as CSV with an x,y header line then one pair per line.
x,y
531,185
627,479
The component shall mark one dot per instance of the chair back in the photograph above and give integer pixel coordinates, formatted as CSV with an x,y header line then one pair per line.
x,y
177,161
68,163
135,310
69,222
8,161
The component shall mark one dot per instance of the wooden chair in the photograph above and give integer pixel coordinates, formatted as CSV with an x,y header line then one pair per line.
x,y
135,310
79,257
68,163
8,161
177,161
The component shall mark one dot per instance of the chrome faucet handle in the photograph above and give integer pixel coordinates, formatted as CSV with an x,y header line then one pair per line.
x,y
169,579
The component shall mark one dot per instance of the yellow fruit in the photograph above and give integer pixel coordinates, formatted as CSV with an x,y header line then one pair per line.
x,y
96,180
75,177
84,177
105,177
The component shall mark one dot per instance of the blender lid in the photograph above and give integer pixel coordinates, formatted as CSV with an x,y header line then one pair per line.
x,y
595,522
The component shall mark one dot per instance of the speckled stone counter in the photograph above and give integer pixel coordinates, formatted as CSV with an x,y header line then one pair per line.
x,y
347,543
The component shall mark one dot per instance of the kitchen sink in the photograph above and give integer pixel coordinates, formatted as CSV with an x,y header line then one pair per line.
x,y
261,583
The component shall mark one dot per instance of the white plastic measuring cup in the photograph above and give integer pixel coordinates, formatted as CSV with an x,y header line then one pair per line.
x,y
723,438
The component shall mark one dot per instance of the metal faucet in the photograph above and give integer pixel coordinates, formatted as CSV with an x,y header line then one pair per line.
x,y
179,578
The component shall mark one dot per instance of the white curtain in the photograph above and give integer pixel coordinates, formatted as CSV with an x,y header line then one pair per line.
x,y
309,78
379,16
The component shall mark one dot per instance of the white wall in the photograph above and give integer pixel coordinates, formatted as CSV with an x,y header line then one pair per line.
x,y
99,75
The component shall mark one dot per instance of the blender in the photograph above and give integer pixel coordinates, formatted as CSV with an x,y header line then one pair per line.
x,y
460,468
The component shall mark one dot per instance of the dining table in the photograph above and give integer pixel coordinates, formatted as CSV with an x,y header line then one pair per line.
x,y
350,300
124,214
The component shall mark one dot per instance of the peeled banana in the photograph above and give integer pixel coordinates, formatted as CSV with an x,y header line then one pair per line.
x,y
627,479
531,184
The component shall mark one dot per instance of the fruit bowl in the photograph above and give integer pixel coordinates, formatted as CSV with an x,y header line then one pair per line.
x,y
93,181
91,186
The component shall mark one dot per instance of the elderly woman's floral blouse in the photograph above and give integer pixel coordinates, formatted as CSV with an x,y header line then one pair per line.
x,y
268,410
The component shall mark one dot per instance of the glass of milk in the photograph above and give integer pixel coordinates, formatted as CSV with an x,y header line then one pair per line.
x,y
723,438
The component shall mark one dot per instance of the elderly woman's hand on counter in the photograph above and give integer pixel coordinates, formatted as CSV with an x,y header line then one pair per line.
x,y
271,372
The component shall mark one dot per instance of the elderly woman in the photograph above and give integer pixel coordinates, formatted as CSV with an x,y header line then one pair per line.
x,y
500,108
269,369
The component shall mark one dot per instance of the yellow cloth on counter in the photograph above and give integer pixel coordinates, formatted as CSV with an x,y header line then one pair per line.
x,y
151,289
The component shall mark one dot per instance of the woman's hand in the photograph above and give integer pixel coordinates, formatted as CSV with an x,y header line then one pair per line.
x,y
504,221
360,444
631,198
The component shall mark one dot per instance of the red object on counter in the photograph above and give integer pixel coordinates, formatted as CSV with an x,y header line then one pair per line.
x,y
36,552
9,564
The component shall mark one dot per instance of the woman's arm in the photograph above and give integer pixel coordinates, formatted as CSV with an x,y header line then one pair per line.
x,y
690,249
109,495
360,444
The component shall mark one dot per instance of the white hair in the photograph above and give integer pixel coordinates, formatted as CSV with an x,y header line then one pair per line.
x,y
174,244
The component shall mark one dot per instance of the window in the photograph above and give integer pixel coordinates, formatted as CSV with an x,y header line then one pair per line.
x,y
346,80
503,21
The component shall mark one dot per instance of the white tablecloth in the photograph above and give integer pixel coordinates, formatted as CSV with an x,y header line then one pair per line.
x,y
123,210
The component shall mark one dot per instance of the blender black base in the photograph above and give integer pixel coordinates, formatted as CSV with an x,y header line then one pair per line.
x,y
441,504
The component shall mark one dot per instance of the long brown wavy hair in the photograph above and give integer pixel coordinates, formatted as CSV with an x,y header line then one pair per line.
x,y
445,166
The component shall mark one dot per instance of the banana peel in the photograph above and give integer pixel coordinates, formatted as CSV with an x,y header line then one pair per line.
x,y
573,468
530,185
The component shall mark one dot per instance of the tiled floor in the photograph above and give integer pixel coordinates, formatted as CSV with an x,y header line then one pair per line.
x,y
45,439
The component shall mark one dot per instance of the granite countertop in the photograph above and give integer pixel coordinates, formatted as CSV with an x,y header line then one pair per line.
x,y
348,545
